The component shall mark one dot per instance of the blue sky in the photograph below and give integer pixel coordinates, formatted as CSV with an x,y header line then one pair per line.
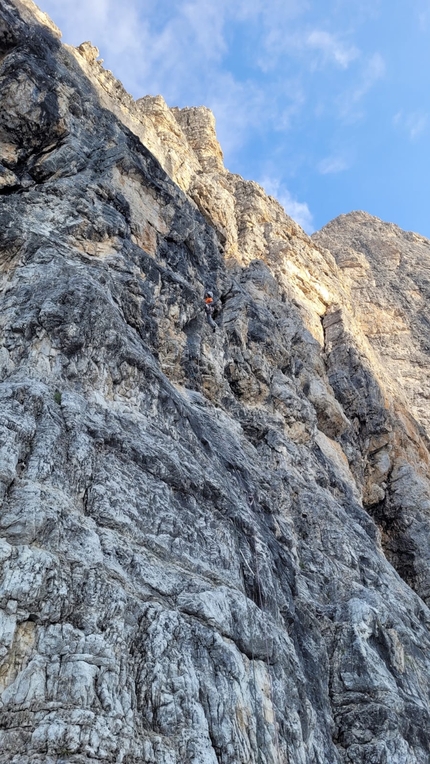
x,y
326,103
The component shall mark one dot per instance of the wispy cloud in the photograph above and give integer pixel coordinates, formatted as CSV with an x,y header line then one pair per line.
x,y
186,51
178,49
331,48
299,211
237,106
373,71
424,15
414,123
80,20
350,102
332,164
205,22
248,106
316,47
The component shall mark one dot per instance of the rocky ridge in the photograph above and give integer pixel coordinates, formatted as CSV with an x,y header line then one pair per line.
x,y
198,530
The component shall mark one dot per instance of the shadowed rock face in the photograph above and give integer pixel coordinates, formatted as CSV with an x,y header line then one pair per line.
x,y
189,569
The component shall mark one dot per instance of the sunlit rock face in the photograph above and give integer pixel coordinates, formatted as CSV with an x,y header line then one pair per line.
x,y
213,545
386,270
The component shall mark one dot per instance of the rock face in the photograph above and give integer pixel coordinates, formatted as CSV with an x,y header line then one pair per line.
x,y
208,539
386,269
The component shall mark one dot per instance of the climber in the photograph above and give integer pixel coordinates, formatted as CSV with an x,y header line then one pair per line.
x,y
210,307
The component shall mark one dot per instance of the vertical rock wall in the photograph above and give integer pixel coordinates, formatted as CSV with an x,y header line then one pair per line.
x,y
187,570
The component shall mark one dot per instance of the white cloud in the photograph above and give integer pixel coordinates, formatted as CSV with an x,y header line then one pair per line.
x,y
177,48
299,211
318,47
350,102
237,107
104,21
373,71
331,48
184,50
414,123
205,22
332,164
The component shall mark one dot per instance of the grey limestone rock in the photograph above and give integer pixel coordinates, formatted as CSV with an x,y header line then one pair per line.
x,y
190,572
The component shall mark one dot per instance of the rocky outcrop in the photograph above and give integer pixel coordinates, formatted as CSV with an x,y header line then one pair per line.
x,y
386,271
191,524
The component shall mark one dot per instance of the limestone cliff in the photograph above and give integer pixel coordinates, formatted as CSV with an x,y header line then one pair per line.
x,y
214,546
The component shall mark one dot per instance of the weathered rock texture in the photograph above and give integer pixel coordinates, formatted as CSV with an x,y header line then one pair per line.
x,y
387,272
200,531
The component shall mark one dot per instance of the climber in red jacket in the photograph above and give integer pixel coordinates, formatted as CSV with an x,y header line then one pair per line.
x,y
210,306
